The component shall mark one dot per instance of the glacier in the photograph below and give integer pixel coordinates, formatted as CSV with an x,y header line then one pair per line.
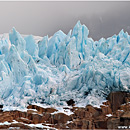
x,y
65,66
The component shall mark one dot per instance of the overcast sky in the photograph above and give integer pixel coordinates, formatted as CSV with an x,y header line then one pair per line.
x,y
103,19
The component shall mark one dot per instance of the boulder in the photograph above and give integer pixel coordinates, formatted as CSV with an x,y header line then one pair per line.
x,y
101,124
106,109
61,118
93,111
113,123
125,118
116,99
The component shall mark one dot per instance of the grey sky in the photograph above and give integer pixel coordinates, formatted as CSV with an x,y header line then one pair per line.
x,y
41,18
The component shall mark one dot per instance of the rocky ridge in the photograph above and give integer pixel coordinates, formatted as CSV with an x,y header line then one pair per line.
x,y
112,114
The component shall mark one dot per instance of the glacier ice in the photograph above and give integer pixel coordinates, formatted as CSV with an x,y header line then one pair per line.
x,y
62,67
31,46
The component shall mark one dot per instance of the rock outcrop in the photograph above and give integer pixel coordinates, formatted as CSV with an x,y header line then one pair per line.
x,y
114,113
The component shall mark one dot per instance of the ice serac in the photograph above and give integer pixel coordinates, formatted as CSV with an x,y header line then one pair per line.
x,y
31,46
16,39
63,67
54,43
4,47
81,33
72,46
16,64
43,47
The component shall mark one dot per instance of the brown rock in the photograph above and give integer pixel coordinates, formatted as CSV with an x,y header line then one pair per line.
x,y
37,118
113,123
106,109
101,124
125,107
80,113
24,120
61,118
29,116
31,107
4,126
50,110
46,116
93,111
32,111
127,99
126,115
41,110
83,118
78,123
22,126
118,113
71,125
116,99
85,124
6,118
107,103
125,118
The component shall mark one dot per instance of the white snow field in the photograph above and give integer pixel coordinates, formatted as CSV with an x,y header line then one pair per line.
x,y
53,70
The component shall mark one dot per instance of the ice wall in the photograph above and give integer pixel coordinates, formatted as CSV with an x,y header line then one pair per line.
x,y
63,67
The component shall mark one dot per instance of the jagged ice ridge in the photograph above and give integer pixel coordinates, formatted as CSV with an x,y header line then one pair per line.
x,y
63,67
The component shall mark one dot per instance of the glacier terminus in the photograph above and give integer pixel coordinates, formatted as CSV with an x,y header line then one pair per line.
x,y
65,66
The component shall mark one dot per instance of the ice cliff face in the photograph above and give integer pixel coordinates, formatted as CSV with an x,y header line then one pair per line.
x,y
64,67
